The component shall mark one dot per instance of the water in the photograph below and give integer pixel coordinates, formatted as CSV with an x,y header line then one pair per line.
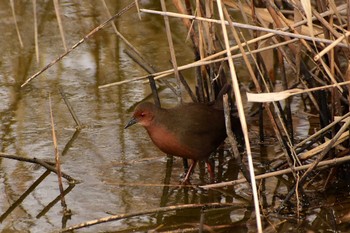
x,y
119,171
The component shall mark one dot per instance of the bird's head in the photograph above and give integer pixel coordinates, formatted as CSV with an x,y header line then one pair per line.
x,y
143,115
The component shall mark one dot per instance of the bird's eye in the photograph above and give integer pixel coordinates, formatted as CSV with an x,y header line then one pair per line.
x,y
143,114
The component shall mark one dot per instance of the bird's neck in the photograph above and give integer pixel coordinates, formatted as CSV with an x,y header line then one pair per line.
x,y
157,123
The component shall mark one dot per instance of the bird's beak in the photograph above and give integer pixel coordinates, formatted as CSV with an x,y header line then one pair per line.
x,y
131,122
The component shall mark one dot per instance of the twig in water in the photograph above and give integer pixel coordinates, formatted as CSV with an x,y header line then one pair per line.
x,y
71,110
48,165
121,12
57,158
154,211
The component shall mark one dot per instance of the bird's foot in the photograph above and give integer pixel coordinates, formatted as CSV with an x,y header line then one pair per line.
x,y
185,181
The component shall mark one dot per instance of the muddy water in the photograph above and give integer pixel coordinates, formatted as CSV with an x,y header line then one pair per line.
x,y
119,171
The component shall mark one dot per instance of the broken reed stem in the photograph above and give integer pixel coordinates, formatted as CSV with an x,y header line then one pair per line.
x,y
46,164
321,131
57,157
70,108
241,117
331,46
153,211
320,166
91,33
326,150
318,149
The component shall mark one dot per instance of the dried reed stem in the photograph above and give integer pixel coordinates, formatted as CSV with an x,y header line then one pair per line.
x,y
241,117
57,157
321,165
172,51
273,32
153,211
70,108
46,164
326,149
202,62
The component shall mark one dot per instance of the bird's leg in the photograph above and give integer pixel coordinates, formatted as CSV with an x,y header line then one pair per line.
x,y
186,180
211,171
185,163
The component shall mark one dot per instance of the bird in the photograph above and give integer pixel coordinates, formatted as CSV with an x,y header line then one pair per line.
x,y
190,130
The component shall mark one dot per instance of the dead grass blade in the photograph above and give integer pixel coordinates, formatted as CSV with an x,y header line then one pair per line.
x,y
308,12
278,96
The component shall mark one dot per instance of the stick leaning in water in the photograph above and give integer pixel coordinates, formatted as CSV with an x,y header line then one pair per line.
x,y
125,9
277,96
